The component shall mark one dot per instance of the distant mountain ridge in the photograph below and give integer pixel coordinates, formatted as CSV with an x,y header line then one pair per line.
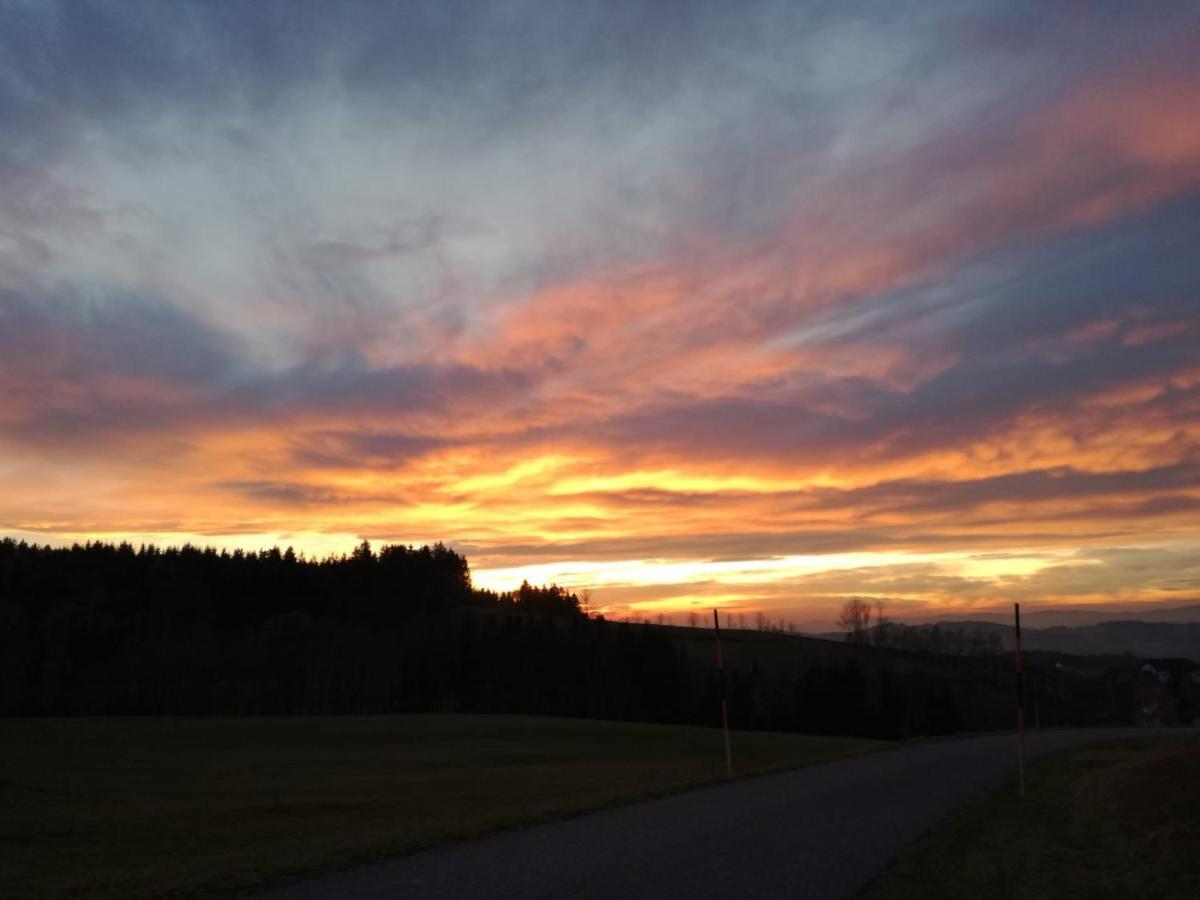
x,y
1143,639
1136,638
1051,618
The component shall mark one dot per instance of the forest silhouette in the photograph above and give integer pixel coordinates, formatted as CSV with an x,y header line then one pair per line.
x,y
103,629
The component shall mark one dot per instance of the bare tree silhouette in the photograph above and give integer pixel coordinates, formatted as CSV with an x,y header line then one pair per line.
x,y
855,620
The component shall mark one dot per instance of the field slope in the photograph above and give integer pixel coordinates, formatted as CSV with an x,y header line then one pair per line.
x,y
140,807
1111,820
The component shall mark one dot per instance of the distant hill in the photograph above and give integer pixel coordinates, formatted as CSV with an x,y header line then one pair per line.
x,y
1145,639
1136,638
1054,617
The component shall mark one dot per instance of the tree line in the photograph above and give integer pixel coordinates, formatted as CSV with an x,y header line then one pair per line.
x,y
103,629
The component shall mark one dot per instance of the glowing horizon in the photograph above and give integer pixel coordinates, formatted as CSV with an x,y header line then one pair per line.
x,y
750,307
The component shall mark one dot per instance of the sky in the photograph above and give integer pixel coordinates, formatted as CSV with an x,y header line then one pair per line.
x,y
759,306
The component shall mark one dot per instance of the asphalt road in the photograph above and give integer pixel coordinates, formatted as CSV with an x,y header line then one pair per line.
x,y
818,832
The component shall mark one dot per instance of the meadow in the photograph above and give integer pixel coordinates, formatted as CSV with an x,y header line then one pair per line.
x,y
1110,820
160,806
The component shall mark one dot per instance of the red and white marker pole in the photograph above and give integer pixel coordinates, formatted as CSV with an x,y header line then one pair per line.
x,y
1020,704
724,700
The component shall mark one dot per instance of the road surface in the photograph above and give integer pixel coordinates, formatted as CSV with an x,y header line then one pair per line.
x,y
818,832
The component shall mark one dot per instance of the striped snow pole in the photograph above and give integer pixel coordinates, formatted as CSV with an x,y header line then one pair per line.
x,y
724,698
1020,704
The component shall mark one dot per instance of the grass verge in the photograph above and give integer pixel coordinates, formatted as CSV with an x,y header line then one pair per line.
x,y
1112,820
182,807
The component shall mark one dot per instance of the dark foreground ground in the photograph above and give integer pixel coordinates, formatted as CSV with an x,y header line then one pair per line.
x,y
1111,820
195,807
824,831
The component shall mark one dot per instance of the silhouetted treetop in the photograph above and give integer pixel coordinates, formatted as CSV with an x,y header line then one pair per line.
x,y
227,587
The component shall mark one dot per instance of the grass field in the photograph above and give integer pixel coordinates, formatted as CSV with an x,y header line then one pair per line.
x,y
143,807
1115,820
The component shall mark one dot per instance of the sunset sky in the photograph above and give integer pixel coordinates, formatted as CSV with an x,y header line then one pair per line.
x,y
754,305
